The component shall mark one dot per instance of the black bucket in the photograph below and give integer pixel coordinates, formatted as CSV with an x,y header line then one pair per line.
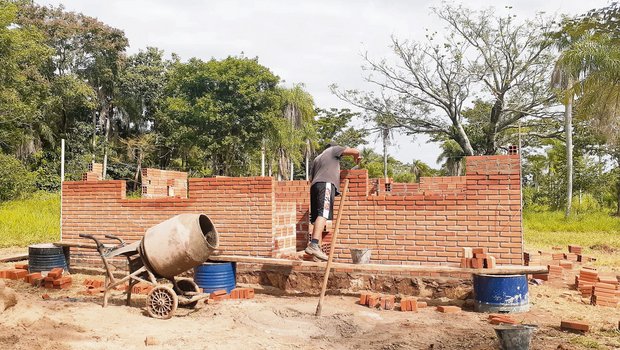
x,y
515,337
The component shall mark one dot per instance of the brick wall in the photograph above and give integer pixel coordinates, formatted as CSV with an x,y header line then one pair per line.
x,y
158,183
241,208
255,215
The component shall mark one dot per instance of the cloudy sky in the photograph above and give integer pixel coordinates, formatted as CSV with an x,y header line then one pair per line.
x,y
314,42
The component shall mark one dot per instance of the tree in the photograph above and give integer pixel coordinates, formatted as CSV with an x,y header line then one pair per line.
x,y
24,90
293,134
505,60
452,157
588,68
335,125
218,110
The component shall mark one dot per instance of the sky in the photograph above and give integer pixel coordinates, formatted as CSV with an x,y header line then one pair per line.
x,y
314,42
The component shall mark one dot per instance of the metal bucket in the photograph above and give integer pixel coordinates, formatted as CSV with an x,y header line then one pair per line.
x,y
360,256
515,337
501,293
179,244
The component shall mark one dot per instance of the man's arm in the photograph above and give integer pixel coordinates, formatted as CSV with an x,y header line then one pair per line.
x,y
353,152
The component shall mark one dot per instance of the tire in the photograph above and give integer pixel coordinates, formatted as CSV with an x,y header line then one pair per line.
x,y
187,285
161,302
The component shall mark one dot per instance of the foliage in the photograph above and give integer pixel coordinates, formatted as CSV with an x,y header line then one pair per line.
x,y
335,125
504,59
221,107
31,220
15,180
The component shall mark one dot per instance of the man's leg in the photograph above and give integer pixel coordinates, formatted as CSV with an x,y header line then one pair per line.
x,y
314,248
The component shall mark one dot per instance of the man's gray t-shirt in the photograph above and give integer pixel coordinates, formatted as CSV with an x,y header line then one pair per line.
x,y
326,166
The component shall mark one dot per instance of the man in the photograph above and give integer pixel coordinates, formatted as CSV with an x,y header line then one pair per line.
x,y
325,186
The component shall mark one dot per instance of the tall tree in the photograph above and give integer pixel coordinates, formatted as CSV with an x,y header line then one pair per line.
x,y
505,60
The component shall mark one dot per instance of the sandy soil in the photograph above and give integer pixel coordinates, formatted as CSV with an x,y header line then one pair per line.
x,y
69,320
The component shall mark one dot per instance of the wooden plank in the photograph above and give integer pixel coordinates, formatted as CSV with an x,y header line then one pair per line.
x,y
500,270
12,258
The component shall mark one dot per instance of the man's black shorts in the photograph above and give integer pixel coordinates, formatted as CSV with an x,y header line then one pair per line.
x,y
322,196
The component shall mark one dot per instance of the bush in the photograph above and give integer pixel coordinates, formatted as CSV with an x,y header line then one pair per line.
x,y
15,180
586,203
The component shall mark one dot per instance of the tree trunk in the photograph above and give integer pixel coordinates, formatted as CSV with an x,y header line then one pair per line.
x,y
568,129
385,169
463,140
105,146
138,169
262,160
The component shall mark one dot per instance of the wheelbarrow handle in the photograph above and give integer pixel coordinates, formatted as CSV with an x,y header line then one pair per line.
x,y
116,238
99,244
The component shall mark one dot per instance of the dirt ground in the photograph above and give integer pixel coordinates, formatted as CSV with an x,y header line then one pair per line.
x,y
69,320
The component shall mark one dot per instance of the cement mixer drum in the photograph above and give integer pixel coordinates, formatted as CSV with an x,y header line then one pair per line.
x,y
179,244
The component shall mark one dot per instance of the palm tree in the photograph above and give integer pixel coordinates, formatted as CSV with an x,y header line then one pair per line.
x,y
588,69
293,134
452,155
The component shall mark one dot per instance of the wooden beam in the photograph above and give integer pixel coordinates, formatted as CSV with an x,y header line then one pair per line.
x,y
500,270
12,258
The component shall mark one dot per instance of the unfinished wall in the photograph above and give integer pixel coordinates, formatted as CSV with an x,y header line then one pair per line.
x,y
158,183
94,173
427,225
241,208
432,221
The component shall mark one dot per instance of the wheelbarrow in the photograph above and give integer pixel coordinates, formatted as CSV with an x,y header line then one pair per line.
x,y
166,250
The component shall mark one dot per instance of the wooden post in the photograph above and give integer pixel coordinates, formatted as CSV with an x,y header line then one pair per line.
x,y
332,248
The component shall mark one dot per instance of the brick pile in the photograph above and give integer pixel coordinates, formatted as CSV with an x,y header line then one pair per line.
x,y
235,294
388,302
477,258
606,294
19,272
55,280
585,281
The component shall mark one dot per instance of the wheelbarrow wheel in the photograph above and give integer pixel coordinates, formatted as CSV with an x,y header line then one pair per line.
x,y
187,285
161,302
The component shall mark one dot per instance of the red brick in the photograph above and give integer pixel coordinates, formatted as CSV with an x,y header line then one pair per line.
x,y
21,266
16,274
421,304
364,298
55,273
490,262
62,280
387,302
448,309
45,296
374,300
575,326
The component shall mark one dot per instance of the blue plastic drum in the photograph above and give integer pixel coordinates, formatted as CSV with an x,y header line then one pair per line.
x,y
212,276
501,293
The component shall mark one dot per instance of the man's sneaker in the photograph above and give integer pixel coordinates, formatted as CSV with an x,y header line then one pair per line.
x,y
314,250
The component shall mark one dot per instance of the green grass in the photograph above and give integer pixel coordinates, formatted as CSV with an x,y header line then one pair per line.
x,y
598,233
32,220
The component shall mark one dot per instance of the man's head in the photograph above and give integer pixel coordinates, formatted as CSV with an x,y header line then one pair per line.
x,y
329,144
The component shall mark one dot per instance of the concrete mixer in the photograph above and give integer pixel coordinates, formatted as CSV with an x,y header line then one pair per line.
x,y
165,251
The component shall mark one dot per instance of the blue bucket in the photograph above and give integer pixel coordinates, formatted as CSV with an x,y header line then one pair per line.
x,y
212,276
501,293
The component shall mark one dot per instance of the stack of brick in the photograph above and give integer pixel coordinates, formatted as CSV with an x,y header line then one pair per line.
x,y
585,281
56,280
574,249
477,258
374,300
409,304
532,259
606,294
19,272
556,273
94,173
235,294
93,287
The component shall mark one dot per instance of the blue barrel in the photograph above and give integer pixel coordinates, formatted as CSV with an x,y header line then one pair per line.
x,y
212,276
501,293
45,256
